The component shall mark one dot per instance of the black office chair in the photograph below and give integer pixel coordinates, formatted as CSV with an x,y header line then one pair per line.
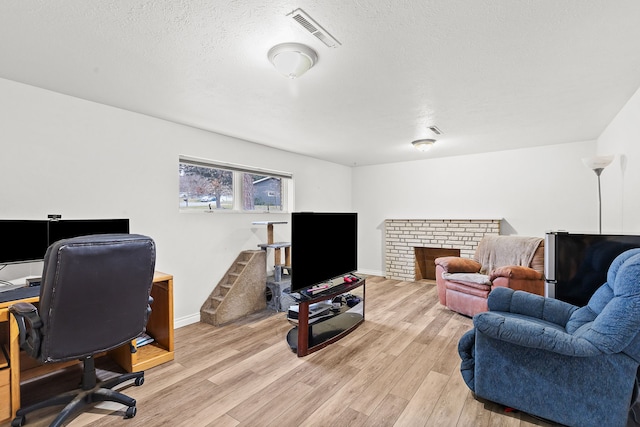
x,y
94,297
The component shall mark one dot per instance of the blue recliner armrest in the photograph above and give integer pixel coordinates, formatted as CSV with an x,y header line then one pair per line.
x,y
527,304
533,333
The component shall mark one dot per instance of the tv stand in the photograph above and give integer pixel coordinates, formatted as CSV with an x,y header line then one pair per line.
x,y
307,338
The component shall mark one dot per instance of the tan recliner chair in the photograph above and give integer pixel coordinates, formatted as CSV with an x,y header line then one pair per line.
x,y
515,262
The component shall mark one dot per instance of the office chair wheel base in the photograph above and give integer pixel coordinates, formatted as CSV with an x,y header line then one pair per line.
x,y
18,421
139,381
131,412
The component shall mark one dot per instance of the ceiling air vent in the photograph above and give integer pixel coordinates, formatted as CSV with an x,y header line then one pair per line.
x,y
435,130
313,27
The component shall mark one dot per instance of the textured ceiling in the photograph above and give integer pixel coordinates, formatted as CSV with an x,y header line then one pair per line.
x,y
491,74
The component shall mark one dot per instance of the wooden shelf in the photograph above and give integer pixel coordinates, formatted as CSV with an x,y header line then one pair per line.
x,y
4,363
159,326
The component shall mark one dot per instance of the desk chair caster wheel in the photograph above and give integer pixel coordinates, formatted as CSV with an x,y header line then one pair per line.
x,y
139,381
18,421
130,413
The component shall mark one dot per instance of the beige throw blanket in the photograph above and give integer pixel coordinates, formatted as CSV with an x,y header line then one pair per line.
x,y
500,251
480,279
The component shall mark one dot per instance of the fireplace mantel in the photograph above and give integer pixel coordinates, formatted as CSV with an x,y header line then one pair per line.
x,y
402,236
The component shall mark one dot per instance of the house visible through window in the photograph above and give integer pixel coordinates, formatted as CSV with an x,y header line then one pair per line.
x,y
262,192
215,186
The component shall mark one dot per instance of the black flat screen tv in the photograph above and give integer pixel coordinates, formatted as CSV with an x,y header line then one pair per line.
x,y
23,240
324,245
68,228
577,264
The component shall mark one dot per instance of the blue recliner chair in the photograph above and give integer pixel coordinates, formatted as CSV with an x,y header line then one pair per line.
x,y
577,366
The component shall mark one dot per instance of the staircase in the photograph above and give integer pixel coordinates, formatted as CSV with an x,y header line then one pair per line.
x,y
240,292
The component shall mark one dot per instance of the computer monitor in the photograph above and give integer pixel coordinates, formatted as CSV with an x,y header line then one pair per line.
x,y
68,228
23,240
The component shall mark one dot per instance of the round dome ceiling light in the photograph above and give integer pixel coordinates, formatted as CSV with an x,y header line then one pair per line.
x,y
423,144
292,59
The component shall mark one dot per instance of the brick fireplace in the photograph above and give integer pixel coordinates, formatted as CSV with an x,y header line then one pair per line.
x,y
407,242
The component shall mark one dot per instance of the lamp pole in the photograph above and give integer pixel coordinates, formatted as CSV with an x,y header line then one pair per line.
x,y
598,171
597,164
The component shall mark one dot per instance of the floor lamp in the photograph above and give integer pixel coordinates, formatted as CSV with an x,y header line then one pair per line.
x,y
597,164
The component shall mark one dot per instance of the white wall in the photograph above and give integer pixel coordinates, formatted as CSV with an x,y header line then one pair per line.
x,y
533,190
86,160
621,180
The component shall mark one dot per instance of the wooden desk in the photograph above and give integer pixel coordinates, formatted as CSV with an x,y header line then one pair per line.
x,y
159,326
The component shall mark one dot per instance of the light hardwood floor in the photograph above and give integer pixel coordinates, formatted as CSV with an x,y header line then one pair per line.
x,y
399,368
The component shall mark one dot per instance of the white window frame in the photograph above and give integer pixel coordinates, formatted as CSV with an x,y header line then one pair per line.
x,y
287,186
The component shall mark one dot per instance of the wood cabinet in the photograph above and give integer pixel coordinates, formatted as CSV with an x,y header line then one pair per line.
x,y
159,326
5,375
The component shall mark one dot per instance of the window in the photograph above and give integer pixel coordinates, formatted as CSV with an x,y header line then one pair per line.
x,y
212,186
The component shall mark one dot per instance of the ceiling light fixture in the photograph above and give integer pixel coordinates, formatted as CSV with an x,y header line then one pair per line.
x,y
423,144
292,59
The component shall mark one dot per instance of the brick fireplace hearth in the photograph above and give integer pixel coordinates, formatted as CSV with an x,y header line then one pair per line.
x,y
403,236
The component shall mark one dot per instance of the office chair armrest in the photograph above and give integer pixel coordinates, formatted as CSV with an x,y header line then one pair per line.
x,y
149,308
29,331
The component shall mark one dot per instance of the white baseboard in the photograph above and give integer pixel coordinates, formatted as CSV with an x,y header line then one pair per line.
x,y
186,320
